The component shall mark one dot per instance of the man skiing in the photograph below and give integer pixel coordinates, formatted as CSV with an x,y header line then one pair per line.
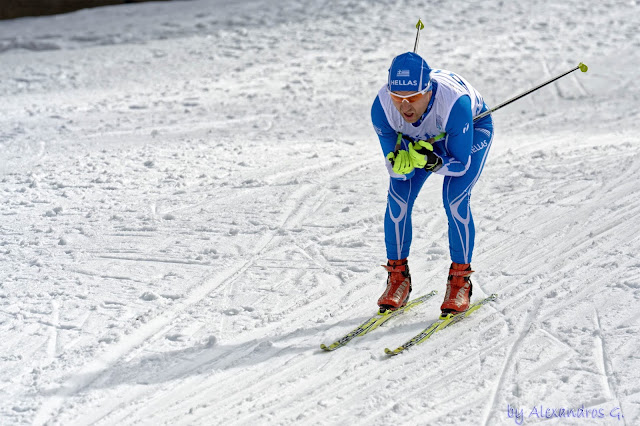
x,y
424,120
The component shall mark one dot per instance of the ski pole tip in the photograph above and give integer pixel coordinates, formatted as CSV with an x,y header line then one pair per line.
x,y
583,67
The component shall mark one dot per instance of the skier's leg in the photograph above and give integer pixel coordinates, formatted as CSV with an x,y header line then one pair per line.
x,y
456,194
397,221
397,226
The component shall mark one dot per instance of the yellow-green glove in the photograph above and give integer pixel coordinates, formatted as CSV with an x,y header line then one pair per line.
x,y
423,157
418,151
401,161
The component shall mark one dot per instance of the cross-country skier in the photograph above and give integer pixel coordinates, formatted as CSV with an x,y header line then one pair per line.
x,y
416,104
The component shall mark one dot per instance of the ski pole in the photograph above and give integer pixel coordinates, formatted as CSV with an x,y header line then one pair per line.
x,y
582,67
419,26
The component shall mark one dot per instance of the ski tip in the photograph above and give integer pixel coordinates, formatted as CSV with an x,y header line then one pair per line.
x,y
331,347
393,352
583,67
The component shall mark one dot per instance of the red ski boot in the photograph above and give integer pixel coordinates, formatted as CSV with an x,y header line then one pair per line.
x,y
459,289
398,285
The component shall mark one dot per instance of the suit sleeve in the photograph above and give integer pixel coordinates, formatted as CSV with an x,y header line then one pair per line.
x,y
455,151
387,137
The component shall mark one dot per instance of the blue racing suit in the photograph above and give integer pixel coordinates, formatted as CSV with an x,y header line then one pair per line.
x,y
454,103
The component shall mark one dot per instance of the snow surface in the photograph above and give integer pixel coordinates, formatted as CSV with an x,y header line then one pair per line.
x,y
192,199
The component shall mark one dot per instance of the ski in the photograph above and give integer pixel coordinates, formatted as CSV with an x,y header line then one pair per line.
x,y
442,322
376,321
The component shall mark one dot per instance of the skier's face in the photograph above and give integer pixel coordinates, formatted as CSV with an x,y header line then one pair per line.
x,y
411,109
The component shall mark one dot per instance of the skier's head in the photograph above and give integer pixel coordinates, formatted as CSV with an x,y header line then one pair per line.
x,y
409,72
409,85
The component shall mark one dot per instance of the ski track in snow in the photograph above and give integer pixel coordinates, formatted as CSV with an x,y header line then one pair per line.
x,y
193,200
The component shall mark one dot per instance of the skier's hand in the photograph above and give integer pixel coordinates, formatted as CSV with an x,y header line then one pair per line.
x,y
423,157
401,161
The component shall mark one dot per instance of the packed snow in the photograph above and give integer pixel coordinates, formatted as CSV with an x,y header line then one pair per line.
x,y
192,201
